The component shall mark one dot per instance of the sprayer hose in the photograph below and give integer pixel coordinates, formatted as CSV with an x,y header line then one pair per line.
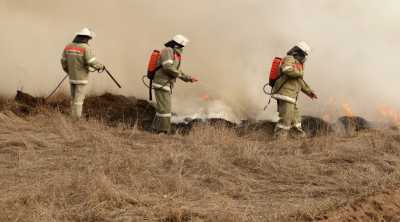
x,y
144,82
267,93
265,89
148,86
65,77
58,86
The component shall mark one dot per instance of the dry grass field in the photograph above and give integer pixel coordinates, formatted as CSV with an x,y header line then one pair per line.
x,y
55,169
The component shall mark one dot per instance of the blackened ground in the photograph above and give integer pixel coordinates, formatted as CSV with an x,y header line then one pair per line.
x,y
29,100
26,103
315,126
264,126
354,123
186,127
117,110
112,109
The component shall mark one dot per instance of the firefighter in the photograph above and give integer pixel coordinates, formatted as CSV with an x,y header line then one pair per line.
x,y
287,88
164,80
77,59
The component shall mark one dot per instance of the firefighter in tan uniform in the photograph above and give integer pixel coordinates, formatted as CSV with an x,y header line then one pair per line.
x,y
164,80
77,59
287,88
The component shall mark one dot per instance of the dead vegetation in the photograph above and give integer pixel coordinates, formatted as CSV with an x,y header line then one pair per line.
x,y
55,169
380,207
116,110
113,110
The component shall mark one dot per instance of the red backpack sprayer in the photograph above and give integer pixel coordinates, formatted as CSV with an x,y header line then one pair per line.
x,y
274,75
152,68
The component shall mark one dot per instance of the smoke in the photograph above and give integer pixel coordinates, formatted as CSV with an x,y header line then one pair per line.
x,y
232,45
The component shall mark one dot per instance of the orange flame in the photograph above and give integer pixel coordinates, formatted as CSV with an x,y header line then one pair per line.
x,y
390,114
205,97
347,109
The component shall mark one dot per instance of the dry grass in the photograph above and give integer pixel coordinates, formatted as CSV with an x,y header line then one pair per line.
x,y
5,103
54,169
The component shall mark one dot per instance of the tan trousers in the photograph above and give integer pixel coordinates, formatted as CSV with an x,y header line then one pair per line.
x,y
162,120
78,93
289,116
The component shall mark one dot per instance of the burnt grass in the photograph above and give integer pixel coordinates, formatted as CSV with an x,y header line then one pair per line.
x,y
117,110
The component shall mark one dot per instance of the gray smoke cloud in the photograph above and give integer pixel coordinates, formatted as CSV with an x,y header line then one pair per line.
x,y
232,44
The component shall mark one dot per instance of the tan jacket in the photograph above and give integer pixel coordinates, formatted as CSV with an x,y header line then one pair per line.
x,y
290,82
170,61
76,60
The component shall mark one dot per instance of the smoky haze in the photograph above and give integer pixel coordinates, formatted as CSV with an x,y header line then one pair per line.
x,y
232,44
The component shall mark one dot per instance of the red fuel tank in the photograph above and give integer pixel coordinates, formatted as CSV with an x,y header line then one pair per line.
x,y
153,61
275,70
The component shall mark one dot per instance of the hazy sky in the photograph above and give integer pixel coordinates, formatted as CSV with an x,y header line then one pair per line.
x,y
232,43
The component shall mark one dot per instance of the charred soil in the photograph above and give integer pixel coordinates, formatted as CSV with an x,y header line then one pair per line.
x,y
117,110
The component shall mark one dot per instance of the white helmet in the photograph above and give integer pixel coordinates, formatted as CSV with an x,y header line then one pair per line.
x,y
86,32
304,47
181,40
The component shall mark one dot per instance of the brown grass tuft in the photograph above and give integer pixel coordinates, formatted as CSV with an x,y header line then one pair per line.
x,y
55,169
